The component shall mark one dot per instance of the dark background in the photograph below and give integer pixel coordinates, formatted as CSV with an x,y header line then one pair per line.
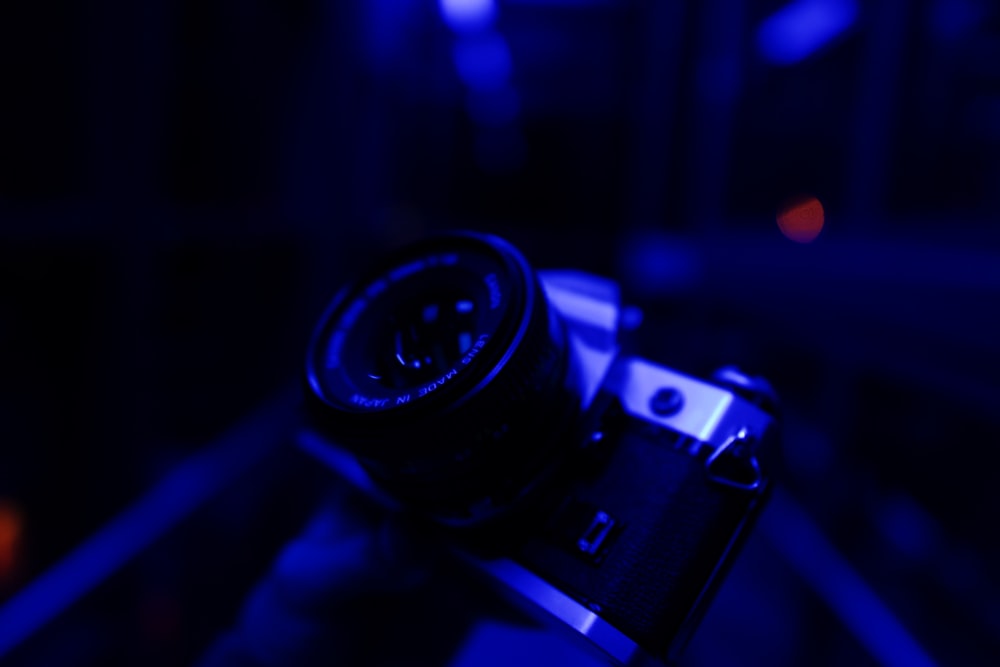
x,y
183,184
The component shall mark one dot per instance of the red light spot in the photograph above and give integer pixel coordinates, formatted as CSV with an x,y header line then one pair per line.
x,y
801,218
11,530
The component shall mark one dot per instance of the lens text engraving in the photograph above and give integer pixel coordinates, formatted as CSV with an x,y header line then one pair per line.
x,y
474,350
365,402
423,391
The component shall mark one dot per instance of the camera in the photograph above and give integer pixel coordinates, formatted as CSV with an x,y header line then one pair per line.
x,y
458,384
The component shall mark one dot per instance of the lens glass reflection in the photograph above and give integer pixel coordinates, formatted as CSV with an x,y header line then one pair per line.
x,y
423,339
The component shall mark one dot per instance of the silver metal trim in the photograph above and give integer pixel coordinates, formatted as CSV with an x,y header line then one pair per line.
x,y
710,414
743,436
583,308
546,597
593,365
590,308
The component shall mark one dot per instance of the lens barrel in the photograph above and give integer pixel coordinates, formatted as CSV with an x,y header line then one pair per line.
x,y
444,372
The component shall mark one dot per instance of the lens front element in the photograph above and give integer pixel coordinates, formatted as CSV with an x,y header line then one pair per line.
x,y
444,373
415,330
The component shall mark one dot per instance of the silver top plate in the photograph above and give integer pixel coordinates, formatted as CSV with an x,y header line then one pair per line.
x,y
709,414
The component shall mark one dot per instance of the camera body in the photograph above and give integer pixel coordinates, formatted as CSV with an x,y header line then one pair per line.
x,y
649,479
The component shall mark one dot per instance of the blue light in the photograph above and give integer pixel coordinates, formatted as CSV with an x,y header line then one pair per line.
x,y
468,14
799,29
483,62
655,263
802,543
952,19
185,489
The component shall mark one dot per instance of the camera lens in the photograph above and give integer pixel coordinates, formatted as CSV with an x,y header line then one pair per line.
x,y
444,372
415,328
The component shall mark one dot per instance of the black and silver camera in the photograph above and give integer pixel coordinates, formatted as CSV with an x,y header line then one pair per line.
x,y
458,383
